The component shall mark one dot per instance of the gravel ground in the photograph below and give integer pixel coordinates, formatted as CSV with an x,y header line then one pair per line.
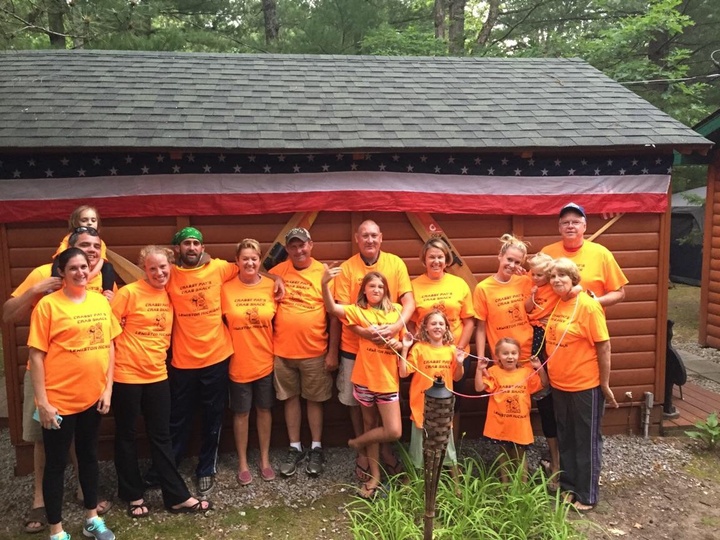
x,y
625,458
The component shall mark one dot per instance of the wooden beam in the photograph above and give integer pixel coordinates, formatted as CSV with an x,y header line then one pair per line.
x,y
277,254
125,270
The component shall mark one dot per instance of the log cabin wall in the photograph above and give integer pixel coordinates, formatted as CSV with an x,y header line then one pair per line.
x,y
709,330
636,325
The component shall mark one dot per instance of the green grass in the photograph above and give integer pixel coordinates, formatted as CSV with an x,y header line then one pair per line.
x,y
683,308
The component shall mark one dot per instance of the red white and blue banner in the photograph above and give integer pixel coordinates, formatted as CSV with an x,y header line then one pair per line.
x,y
141,184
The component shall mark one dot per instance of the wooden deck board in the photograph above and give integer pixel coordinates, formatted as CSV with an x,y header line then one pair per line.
x,y
697,404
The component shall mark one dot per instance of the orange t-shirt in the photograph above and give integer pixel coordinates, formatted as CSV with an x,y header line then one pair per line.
x,y
301,327
572,356
64,244
599,271
199,337
375,365
347,286
508,414
502,307
431,361
249,312
76,339
545,301
141,350
449,294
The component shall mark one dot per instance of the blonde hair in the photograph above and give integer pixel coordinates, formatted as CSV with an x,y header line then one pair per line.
x,y
74,219
540,261
248,243
510,241
503,340
362,301
447,338
155,250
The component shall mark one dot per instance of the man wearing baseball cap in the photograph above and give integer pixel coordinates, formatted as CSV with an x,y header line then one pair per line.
x,y
306,350
201,350
599,271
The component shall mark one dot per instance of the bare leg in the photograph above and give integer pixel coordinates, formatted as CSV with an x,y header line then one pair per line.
x,y
38,469
240,429
264,426
315,419
389,430
504,462
554,459
519,458
293,418
356,417
371,420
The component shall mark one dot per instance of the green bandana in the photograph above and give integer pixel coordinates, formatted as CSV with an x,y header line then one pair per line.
x,y
187,232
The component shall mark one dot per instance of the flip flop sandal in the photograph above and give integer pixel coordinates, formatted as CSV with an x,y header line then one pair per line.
x,y
395,469
583,508
367,493
36,515
196,508
103,506
143,507
362,473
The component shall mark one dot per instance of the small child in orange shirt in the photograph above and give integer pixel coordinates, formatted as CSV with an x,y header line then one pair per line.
x,y
510,386
86,216
434,354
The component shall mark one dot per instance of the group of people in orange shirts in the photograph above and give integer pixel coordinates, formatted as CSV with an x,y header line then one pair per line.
x,y
257,337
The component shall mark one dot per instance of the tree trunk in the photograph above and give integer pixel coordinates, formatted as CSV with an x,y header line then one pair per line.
x,y
56,23
493,14
272,26
456,37
439,12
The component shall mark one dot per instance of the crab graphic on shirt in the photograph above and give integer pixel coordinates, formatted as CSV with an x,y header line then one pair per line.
x,y
512,405
440,306
160,321
96,333
199,301
252,315
515,315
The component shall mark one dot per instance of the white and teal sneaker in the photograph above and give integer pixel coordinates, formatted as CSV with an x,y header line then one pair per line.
x,y
96,528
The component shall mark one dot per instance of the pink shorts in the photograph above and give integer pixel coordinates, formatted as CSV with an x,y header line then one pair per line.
x,y
368,398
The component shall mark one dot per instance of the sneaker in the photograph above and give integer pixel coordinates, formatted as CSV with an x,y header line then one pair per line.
x,y
95,528
289,466
62,535
205,484
315,462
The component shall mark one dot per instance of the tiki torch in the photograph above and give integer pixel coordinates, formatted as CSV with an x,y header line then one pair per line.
x,y
438,413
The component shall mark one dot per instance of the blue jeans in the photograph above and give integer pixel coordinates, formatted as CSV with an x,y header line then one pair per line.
x,y
205,389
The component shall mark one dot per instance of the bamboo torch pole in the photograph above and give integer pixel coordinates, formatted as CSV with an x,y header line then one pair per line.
x,y
438,413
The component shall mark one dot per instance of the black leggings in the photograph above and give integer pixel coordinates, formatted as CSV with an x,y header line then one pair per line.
x,y
83,427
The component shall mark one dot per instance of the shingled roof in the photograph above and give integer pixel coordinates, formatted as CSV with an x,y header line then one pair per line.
x,y
152,100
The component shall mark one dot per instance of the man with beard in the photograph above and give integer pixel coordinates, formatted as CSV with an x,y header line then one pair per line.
x,y
201,350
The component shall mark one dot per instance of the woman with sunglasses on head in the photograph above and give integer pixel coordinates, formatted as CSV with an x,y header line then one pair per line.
x,y
72,355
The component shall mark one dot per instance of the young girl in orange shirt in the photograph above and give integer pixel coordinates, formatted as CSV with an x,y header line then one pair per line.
x,y
433,355
87,216
510,386
375,378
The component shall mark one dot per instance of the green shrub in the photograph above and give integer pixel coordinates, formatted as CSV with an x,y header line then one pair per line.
x,y
707,431
483,508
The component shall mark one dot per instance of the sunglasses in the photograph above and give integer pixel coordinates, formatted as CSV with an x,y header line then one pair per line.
x,y
92,231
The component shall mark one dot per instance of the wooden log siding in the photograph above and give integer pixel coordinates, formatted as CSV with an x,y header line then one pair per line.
x,y
709,331
636,325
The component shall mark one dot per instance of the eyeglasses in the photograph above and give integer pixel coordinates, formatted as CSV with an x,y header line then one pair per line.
x,y
573,223
92,231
